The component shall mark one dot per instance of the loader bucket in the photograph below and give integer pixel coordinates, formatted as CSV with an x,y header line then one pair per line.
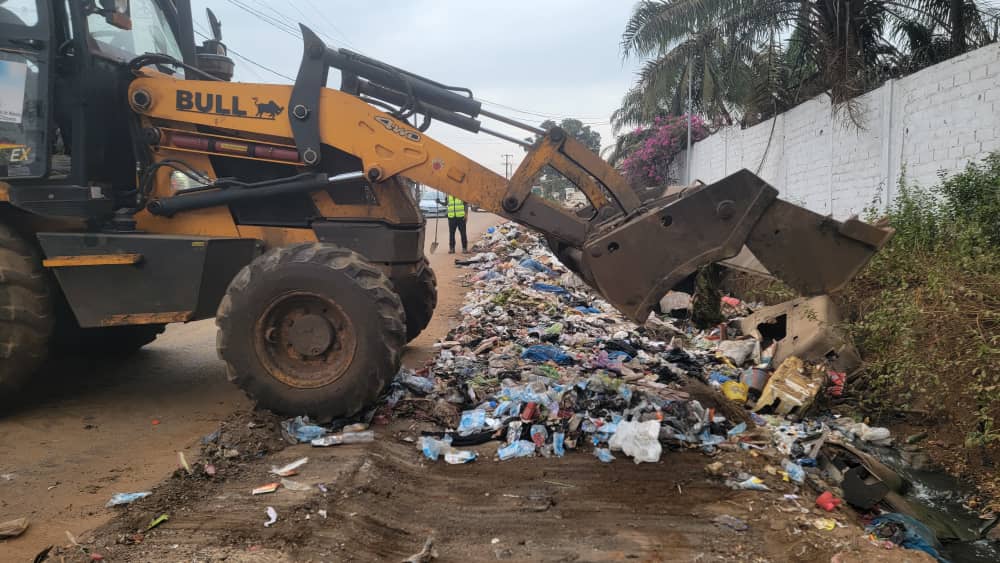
x,y
635,261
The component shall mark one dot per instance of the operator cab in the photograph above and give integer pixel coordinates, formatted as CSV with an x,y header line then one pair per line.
x,y
66,130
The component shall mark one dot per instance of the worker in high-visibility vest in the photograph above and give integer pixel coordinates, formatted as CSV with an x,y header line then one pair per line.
x,y
457,210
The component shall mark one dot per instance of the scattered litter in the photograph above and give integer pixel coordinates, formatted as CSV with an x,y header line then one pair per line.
x,y
749,483
428,553
295,485
828,502
345,438
302,430
736,391
210,470
825,524
793,387
906,532
157,521
604,454
126,498
265,489
290,469
183,462
520,448
13,528
638,440
457,457
732,522
272,517
322,512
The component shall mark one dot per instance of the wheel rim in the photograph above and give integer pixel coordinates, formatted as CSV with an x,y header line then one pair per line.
x,y
305,340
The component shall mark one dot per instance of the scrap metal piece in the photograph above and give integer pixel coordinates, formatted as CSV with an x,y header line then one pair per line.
x,y
806,328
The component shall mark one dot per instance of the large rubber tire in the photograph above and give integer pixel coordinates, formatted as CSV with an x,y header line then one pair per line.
x,y
26,316
365,326
419,295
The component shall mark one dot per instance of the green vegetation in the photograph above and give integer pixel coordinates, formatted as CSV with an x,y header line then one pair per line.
x,y
926,312
748,60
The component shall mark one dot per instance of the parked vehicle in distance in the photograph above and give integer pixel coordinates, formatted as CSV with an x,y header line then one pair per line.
x,y
429,204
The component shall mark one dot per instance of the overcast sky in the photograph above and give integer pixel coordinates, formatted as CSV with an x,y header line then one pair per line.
x,y
555,58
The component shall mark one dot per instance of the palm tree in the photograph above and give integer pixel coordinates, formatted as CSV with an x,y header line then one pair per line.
x,y
749,59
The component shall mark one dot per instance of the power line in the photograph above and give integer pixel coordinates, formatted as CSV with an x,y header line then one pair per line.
x,y
251,61
276,23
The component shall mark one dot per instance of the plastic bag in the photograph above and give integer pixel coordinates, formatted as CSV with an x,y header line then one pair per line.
x,y
472,421
735,391
433,448
638,440
520,448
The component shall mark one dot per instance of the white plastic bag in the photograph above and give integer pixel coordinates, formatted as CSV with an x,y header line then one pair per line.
x,y
638,440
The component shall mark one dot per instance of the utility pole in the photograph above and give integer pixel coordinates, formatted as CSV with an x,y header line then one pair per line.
x,y
507,165
687,157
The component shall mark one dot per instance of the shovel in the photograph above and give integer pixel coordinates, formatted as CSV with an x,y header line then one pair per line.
x,y
437,220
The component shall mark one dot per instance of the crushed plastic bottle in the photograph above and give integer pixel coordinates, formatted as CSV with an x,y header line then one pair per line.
x,y
415,383
345,438
520,448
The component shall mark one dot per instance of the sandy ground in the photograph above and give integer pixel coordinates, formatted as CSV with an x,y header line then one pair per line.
x,y
87,430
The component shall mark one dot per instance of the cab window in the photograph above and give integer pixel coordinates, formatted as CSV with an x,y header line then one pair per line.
x,y
19,12
150,33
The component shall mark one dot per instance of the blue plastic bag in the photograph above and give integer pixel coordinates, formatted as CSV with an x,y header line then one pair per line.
x,y
548,288
546,352
536,266
559,444
302,430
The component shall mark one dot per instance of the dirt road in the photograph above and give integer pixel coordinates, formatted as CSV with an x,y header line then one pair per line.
x,y
89,429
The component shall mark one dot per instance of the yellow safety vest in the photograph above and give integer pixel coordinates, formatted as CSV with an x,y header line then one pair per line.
x,y
456,208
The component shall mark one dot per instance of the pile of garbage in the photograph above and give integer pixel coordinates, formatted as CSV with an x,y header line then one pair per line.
x,y
541,363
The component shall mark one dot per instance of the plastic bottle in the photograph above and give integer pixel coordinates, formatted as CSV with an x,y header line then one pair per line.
x,y
345,438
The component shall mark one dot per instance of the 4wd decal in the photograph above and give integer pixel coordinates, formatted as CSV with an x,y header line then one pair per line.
x,y
207,102
395,128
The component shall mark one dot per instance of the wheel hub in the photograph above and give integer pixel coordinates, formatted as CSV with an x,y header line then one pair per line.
x,y
310,335
305,340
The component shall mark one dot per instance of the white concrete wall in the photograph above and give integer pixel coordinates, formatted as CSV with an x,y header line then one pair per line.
x,y
937,119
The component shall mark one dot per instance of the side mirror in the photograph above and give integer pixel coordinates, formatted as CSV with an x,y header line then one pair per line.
x,y
116,13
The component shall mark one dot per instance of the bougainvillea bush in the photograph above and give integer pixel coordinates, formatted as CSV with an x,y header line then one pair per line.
x,y
650,163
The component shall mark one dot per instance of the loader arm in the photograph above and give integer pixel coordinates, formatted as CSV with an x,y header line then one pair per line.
x,y
630,249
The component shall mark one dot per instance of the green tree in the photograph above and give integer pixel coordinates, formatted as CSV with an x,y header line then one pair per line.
x,y
749,59
552,184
